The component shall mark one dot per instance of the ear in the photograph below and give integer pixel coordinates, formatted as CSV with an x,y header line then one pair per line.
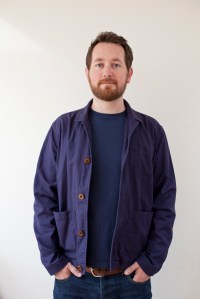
x,y
130,73
87,72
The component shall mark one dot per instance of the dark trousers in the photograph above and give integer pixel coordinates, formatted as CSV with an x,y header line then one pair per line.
x,y
117,286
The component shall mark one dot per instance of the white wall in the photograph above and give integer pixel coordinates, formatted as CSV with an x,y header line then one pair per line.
x,y
42,60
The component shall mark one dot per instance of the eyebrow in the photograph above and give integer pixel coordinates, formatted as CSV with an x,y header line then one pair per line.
x,y
102,59
116,59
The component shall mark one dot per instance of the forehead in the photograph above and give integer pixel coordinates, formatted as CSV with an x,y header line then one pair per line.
x,y
108,51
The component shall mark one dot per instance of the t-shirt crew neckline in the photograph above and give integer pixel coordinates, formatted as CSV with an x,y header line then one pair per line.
x,y
108,115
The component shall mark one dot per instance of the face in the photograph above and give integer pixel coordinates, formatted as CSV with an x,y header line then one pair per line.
x,y
108,75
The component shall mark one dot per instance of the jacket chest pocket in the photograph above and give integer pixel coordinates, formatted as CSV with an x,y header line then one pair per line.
x,y
66,227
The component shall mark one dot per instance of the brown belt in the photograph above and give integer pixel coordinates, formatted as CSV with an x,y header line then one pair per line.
x,y
102,272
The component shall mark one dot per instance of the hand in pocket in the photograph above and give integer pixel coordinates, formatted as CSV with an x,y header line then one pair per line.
x,y
67,271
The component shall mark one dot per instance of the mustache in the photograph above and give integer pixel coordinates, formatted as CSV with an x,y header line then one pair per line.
x,y
108,80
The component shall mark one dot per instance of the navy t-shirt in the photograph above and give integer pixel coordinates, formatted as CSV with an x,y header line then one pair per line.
x,y
107,144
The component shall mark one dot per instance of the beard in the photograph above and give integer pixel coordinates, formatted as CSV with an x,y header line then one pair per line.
x,y
110,92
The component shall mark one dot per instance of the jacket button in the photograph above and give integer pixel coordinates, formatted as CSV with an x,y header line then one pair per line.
x,y
80,233
81,196
79,268
87,161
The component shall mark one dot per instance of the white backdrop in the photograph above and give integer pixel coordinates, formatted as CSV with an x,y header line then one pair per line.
x,y
42,59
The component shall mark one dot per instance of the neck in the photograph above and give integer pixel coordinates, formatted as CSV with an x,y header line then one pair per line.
x,y
112,107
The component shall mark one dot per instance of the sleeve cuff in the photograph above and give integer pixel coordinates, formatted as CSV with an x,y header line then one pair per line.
x,y
57,266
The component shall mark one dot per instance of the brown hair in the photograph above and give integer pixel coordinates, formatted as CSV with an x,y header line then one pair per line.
x,y
110,37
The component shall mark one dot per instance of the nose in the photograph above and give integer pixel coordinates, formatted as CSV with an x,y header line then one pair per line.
x,y
107,76
107,72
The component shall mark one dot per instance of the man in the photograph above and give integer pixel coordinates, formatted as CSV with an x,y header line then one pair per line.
x,y
104,188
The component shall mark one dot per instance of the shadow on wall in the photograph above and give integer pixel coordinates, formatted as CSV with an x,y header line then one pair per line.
x,y
1,297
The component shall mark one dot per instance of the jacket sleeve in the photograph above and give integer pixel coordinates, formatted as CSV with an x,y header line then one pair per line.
x,y
46,201
164,193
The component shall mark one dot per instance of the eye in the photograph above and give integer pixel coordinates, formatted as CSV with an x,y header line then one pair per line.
x,y
116,65
99,65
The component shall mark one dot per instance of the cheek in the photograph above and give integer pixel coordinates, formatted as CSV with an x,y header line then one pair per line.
x,y
122,80
95,78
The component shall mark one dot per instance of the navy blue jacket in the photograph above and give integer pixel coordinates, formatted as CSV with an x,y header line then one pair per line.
x,y
146,208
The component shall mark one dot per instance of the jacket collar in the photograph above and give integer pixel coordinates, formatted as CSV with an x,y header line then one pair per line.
x,y
84,113
132,116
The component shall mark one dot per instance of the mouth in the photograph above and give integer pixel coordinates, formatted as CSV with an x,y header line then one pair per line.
x,y
107,83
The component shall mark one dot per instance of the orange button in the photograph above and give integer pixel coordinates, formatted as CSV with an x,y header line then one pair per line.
x,y
80,233
87,160
81,196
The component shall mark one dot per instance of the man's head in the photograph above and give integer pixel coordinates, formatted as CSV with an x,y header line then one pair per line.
x,y
111,37
108,62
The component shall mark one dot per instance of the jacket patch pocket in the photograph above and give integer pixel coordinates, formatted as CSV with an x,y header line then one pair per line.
x,y
66,227
135,233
